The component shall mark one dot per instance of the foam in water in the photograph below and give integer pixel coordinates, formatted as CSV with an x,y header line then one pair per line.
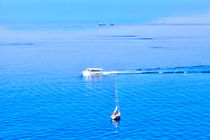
x,y
183,69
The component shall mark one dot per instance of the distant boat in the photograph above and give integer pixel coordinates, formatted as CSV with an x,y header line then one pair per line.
x,y
112,24
101,24
116,114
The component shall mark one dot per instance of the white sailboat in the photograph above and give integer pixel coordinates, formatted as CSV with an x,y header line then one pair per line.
x,y
116,114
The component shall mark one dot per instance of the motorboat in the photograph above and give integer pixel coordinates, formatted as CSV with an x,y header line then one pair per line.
x,y
92,71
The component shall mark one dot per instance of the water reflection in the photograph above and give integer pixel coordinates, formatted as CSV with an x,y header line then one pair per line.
x,y
96,77
116,123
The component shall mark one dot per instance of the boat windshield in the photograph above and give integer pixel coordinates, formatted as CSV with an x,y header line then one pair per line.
x,y
95,70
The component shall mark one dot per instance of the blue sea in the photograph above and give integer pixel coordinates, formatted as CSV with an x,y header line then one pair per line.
x,y
44,96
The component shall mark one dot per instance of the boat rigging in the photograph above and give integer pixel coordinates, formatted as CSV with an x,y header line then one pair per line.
x,y
116,114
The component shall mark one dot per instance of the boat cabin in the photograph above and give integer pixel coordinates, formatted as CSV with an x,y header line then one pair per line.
x,y
94,69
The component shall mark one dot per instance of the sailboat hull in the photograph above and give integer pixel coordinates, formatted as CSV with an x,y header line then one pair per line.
x,y
115,117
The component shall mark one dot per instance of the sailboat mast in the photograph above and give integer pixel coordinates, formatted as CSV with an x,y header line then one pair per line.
x,y
117,101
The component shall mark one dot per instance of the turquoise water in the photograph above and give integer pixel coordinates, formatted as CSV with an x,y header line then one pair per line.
x,y
43,95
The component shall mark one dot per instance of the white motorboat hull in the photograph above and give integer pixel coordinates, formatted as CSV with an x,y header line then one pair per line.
x,y
87,73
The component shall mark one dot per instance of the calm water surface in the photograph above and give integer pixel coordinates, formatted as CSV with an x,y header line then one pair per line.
x,y
43,96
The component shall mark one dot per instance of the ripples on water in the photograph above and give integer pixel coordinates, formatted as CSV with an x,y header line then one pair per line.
x,y
43,96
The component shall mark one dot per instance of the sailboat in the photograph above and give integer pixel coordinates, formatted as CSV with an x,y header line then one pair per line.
x,y
116,114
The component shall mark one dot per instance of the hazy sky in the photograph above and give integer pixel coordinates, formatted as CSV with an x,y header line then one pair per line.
x,y
93,11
